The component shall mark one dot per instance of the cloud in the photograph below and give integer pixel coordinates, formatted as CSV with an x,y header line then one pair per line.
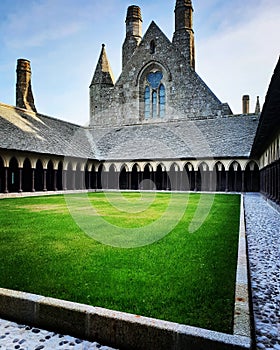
x,y
40,22
240,58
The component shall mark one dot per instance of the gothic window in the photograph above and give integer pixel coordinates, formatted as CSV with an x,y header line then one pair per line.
x,y
154,96
154,104
147,102
161,100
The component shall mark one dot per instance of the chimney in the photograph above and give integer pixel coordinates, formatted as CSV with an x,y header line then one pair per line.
x,y
133,32
246,104
24,96
258,107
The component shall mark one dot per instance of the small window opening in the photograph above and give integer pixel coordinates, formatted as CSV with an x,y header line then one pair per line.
x,y
152,47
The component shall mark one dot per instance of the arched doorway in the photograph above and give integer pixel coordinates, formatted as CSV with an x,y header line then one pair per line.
x,y
13,177
100,177
188,178
50,176
174,178
204,177
235,177
27,176
123,179
148,183
135,177
39,176
159,178
220,177
252,177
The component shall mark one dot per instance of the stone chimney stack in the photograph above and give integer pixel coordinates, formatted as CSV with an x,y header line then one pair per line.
x,y
183,37
258,107
246,104
133,32
24,96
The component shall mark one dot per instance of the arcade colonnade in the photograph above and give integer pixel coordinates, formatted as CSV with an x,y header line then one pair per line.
x,y
21,172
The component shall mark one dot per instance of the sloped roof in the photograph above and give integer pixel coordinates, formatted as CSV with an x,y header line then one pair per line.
x,y
223,137
269,125
28,131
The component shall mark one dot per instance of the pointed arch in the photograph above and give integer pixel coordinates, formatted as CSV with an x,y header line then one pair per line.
x,y
135,176
188,178
220,172
235,177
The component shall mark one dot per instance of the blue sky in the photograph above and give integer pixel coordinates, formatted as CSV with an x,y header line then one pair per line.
x,y
237,47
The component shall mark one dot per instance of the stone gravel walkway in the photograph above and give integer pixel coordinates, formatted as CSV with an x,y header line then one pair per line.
x,y
263,236
14,336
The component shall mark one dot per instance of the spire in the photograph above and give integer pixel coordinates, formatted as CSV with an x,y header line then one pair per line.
x,y
258,107
183,37
103,74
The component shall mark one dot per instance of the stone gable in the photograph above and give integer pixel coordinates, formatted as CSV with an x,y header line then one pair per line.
x,y
187,97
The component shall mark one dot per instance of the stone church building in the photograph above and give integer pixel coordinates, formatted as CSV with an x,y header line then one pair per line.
x,y
157,127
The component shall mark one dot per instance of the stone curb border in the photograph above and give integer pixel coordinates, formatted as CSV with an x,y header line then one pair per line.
x,y
126,331
242,320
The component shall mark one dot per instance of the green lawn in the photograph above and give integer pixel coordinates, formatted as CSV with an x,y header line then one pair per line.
x,y
186,275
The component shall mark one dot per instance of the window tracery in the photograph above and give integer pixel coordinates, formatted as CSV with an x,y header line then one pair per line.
x,y
154,96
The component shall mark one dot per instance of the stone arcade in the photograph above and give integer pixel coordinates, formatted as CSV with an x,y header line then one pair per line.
x,y
158,127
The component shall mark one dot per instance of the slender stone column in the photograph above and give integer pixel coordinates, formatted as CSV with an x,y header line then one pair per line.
x,y
226,181
33,180
89,180
211,181
195,181
64,180
242,181
129,180
44,179
20,179
55,180
6,190
73,180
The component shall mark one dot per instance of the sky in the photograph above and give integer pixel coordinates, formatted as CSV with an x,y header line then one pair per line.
x,y
237,47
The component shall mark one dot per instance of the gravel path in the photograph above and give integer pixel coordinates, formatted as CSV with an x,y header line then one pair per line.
x,y
263,235
14,336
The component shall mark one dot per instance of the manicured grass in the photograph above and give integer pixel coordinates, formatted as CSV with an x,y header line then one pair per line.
x,y
188,276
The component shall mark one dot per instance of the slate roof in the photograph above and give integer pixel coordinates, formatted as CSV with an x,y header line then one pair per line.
x,y
269,125
224,137
28,131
